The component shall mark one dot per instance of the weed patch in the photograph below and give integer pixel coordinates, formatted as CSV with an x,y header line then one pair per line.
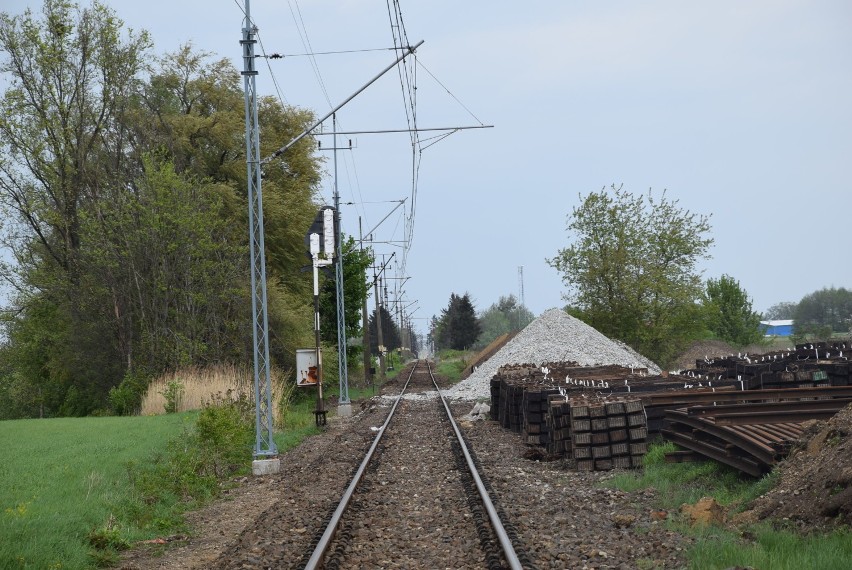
x,y
760,545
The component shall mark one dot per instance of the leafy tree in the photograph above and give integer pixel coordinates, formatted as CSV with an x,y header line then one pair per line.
x,y
631,269
122,182
459,327
782,311
729,313
823,312
500,318
355,264
72,75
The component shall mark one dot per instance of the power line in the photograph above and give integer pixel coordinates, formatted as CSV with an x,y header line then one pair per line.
x,y
450,93
333,52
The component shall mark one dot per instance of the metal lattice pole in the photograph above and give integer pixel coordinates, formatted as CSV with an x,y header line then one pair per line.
x,y
342,365
264,444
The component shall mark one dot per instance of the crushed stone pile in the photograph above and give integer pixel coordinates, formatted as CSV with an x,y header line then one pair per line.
x,y
555,336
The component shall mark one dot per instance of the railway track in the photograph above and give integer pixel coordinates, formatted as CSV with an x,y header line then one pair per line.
x,y
399,494
417,499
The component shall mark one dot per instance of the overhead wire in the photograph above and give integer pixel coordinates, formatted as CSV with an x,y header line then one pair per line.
x,y
450,93
407,76
306,43
334,52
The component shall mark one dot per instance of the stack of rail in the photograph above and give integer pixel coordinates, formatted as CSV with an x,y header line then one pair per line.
x,y
749,430
520,395
599,434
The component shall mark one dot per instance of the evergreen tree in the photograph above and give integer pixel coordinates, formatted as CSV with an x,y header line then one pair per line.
x,y
390,332
458,326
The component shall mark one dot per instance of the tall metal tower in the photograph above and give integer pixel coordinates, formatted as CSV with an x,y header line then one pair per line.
x,y
344,406
520,296
264,444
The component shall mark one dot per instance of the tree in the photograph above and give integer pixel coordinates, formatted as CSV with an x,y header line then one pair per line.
x,y
631,269
122,182
72,77
823,312
502,317
458,326
355,264
782,311
390,332
729,313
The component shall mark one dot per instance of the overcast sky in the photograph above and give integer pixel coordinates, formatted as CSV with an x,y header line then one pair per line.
x,y
739,109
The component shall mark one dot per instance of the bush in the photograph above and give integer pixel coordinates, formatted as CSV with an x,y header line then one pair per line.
x,y
225,429
188,473
173,394
126,398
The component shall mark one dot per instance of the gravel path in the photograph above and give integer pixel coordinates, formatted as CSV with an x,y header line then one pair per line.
x,y
555,336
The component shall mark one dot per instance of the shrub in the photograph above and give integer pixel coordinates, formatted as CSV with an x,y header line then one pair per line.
x,y
126,398
225,429
173,394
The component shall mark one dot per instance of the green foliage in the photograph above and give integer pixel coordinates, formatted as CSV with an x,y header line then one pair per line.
x,y
785,310
126,398
107,540
763,546
356,261
631,269
678,483
52,499
225,429
97,484
451,363
729,313
823,312
500,318
458,327
123,184
390,331
70,75
173,394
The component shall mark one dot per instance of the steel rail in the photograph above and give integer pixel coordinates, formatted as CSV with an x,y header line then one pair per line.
x,y
728,395
321,548
781,417
796,405
496,523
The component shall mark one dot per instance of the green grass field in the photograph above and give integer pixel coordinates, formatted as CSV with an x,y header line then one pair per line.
x,y
67,485
62,478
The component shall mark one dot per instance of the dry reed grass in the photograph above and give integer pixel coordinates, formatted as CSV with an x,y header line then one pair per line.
x,y
198,386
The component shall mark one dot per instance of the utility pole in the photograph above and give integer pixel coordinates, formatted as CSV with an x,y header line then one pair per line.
x,y
377,287
520,296
379,340
344,407
265,452
368,377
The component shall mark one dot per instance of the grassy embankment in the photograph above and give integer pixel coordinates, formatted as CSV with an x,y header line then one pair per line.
x,y
758,545
451,363
76,491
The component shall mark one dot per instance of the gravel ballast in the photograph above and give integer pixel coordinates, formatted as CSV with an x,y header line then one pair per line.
x,y
555,336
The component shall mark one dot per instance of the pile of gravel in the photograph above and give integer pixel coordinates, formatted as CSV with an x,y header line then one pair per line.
x,y
555,336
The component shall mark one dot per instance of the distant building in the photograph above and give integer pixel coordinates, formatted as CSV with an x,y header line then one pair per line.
x,y
777,328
